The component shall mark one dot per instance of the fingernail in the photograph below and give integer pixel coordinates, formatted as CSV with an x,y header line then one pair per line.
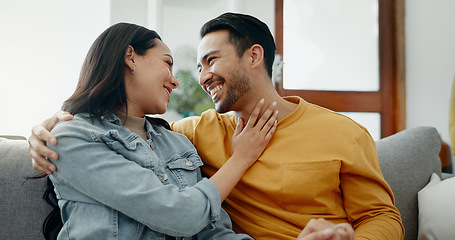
x,y
327,232
51,168
276,112
274,104
261,101
54,156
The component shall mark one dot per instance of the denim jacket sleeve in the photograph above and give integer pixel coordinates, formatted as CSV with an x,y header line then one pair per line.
x,y
221,230
92,170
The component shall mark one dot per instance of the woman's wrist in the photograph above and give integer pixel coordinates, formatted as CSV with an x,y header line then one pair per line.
x,y
241,161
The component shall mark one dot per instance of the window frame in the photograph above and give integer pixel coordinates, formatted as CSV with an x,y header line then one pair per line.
x,y
389,101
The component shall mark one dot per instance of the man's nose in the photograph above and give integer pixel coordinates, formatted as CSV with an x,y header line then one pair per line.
x,y
204,77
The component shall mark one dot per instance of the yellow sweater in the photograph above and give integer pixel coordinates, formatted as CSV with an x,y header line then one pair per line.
x,y
319,164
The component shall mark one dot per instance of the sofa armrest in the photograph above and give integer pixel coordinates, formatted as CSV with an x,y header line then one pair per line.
x,y
407,160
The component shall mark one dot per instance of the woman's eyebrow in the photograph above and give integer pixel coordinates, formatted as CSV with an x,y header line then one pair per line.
x,y
169,55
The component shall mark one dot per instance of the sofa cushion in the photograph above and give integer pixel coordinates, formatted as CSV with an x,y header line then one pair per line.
x,y
436,209
22,208
407,160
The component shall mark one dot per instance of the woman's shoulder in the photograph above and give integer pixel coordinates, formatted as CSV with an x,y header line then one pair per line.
x,y
81,123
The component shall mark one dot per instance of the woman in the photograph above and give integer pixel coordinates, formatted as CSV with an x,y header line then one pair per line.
x,y
122,175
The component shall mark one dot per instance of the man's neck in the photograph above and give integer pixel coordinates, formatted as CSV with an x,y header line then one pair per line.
x,y
284,107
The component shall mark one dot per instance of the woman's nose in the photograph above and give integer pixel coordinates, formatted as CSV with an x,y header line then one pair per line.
x,y
174,81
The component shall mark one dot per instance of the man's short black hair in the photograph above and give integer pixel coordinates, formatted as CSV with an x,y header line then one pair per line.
x,y
244,32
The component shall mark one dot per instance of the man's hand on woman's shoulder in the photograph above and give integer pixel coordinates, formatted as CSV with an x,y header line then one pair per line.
x,y
39,152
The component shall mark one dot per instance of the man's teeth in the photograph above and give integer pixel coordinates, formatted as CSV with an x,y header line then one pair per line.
x,y
215,90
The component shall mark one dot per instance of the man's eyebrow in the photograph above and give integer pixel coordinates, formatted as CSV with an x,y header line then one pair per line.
x,y
206,56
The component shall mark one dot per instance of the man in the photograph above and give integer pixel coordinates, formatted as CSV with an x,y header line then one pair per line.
x,y
319,164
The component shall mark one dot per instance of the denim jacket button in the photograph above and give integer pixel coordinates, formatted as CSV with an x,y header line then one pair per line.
x,y
188,163
163,177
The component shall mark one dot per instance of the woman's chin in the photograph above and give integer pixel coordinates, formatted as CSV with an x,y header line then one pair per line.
x,y
162,111
157,112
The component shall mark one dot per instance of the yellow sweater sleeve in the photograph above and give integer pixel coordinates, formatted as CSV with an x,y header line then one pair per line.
x,y
368,200
186,126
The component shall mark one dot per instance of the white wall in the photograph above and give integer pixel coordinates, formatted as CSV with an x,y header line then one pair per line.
x,y
42,47
129,11
430,63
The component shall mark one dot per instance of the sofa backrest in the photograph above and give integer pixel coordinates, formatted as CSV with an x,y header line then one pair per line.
x,y
22,208
407,160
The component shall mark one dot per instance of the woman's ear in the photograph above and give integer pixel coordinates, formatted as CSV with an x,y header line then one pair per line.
x,y
256,55
129,58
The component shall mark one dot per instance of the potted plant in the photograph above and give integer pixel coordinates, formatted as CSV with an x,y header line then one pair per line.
x,y
189,99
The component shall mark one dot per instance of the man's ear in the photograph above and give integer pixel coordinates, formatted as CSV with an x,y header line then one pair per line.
x,y
256,55
129,58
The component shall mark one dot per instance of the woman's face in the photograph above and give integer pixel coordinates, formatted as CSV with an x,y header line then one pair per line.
x,y
149,87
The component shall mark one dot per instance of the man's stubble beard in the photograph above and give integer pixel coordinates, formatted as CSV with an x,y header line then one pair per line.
x,y
240,85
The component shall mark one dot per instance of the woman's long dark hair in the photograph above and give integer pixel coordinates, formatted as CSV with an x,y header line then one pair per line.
x,y
101,87
101,90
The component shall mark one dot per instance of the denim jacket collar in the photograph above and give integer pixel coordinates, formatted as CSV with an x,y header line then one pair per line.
x,y
114,119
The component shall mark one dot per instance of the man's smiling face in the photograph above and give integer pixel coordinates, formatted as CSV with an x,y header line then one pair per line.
x,y
221,72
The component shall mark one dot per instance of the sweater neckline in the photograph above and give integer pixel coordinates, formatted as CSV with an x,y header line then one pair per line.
x,y
295,115
133,123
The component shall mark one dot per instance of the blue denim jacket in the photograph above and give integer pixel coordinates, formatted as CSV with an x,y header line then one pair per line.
x,y
111,184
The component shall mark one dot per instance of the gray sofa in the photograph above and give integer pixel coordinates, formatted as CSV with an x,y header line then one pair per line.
x,y
407,161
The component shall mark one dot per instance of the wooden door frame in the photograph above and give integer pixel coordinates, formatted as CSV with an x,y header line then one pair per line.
x,y
390,100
